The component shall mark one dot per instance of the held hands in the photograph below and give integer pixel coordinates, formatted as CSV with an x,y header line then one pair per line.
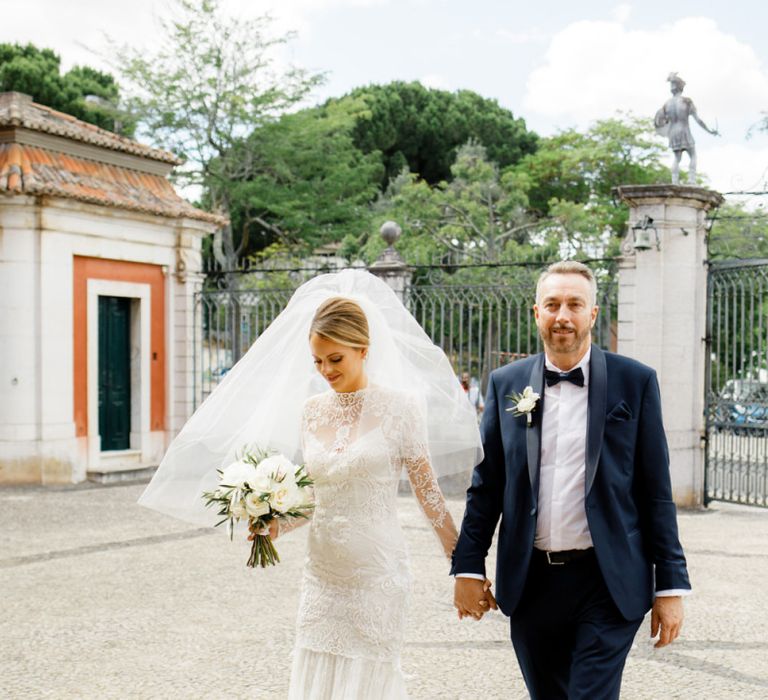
x,y
667,617
472,597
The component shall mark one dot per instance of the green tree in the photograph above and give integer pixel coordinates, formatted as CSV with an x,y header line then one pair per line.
x,y
570,178
83,92
556,202
422,128
577,166
738,232
479,217
308,185
209,86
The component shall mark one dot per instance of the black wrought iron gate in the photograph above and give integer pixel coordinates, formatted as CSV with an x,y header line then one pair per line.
x,y
736,463
480,327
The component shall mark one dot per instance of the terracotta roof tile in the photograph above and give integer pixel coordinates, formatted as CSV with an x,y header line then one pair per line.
x,y
17,109
32,170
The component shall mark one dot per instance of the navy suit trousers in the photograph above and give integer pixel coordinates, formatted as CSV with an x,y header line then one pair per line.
x,y
570,639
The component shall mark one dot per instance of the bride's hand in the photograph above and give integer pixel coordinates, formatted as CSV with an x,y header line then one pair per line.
x,y
273,530
490,599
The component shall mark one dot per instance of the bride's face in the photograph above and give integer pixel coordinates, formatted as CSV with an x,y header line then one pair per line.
x,y
341,365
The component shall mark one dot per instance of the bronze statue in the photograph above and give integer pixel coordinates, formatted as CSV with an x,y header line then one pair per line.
x,y
672,121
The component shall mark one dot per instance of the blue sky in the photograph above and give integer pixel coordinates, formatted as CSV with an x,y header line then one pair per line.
x,y
555,63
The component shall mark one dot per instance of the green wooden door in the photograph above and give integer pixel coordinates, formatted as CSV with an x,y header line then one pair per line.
x,y
114,372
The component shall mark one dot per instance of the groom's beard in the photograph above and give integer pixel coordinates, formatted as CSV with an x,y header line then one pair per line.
x,y
563,344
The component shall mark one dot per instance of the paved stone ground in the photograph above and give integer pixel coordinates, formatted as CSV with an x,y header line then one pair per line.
x,y
102,599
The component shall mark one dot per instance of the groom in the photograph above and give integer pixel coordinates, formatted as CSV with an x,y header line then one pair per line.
x,y
580,477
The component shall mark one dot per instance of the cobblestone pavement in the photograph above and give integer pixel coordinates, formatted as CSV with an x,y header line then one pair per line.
x,y
103,599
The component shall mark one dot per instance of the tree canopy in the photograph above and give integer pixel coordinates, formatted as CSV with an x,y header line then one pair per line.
x,y
207,87
422,128
479,216
556,202
577,166
312,175
308,185
462,175
37,72
569,180
738,232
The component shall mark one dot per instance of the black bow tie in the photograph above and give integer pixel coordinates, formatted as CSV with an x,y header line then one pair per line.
x,y
575,375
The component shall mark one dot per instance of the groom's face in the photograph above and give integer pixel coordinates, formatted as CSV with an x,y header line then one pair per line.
x,y
565,314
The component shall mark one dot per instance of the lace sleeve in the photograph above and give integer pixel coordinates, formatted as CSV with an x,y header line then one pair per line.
x,y
415,457
286,526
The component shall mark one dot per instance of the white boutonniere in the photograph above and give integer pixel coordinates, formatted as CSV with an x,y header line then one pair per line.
x,y
525,403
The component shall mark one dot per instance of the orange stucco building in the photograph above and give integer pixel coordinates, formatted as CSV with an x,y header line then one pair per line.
x,y
99,264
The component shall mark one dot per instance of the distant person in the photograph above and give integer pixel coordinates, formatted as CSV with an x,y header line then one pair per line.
x,y
472,390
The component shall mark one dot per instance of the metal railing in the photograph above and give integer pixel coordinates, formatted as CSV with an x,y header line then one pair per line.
x,y
227,323
737,383
480,327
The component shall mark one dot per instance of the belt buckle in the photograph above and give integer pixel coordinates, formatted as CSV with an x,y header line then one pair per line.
x,y
553,563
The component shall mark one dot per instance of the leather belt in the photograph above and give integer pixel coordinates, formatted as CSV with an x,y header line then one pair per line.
x,y
564,557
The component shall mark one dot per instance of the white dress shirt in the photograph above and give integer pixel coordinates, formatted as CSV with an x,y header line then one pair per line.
x,y
561,521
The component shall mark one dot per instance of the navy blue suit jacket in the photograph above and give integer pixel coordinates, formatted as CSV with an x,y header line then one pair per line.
x,y
631,515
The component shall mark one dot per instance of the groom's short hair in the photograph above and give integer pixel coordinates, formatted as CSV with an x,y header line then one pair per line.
x,y
569,267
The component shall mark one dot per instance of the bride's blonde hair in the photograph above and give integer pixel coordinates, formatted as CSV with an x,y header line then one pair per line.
x,y
341,320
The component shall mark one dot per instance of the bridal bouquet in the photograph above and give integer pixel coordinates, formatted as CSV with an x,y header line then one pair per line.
x,y
262,487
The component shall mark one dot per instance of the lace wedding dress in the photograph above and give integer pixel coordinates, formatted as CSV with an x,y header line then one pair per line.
x,y
356,581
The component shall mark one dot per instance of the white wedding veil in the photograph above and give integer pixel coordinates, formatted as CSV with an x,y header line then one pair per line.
x,y
261,398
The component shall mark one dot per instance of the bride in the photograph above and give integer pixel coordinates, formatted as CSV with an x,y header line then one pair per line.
x,y
394,408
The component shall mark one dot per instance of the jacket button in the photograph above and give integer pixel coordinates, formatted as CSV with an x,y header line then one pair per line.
x,y
533,511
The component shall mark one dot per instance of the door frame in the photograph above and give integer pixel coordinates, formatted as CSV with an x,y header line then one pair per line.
x,y
140,326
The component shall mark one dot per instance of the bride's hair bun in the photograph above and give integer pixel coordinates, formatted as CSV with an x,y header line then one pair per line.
x,y
341,320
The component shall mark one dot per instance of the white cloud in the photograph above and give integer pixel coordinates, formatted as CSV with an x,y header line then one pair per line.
x,y
72,28
295,14
621,13
734,167
328,4
593,68
513,37
76,30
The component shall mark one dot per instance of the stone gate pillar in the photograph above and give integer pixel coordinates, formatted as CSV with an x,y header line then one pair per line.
x,y
662,314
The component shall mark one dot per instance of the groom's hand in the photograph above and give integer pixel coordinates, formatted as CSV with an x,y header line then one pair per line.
x,y
472,597
667,618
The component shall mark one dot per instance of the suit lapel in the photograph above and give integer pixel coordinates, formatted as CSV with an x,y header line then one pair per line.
x,y
533,433
596,407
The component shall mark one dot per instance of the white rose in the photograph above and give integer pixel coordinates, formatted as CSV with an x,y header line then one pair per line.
x,y
526,404
254,506
260,484
285,496
238,473
277,467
